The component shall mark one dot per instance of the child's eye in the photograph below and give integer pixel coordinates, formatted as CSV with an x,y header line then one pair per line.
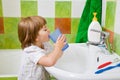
x,y
45,29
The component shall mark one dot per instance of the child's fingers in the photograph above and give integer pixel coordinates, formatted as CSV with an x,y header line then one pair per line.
x,y
65,42
62,38
59,37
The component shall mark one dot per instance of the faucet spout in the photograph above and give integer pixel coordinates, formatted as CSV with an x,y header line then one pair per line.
x,y
104,40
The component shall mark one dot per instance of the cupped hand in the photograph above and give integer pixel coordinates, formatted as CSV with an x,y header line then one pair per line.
x,y
61,41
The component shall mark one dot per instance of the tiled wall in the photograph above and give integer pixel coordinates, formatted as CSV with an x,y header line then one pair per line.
x,y
1,19
64,14
112,23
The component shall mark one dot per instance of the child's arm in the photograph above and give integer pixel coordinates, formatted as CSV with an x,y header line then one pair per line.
x,y
50,59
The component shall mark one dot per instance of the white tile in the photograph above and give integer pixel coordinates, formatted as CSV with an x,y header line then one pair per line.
x,y
11,8
103,13
28,0
77,8
63,0
46,8
117,18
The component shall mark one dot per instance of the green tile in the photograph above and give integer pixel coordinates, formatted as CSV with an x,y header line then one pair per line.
x,y
11,24
28,8
15,78
8,78
9,40
71,38
1,14
2,42
117,43
63,9
74,25
28,0
110,15
50,24
52,78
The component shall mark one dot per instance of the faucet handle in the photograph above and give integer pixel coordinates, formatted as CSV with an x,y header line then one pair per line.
x,y
105,34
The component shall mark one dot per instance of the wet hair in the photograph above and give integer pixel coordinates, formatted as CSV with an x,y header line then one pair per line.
x,y
28,29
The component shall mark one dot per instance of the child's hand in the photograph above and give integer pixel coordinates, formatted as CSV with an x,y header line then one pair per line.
x,y
60,41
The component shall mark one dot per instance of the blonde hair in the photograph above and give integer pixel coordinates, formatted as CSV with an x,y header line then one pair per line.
x,y
28,29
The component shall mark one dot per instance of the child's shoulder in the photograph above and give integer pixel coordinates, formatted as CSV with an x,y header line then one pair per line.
x,y
32,48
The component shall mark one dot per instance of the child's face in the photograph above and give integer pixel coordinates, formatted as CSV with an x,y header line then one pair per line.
x,y
43,34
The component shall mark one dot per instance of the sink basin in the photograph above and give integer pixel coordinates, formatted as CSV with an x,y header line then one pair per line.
x,y
75,64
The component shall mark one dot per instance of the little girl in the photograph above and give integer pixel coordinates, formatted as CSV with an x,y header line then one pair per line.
x,y
34,36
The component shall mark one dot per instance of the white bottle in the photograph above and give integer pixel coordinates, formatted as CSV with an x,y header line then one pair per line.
x,y
94,31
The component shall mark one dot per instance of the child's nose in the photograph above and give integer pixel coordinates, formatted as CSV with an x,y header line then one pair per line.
x,y
48,31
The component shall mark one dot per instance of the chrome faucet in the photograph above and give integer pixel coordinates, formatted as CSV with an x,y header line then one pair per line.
x,y
104,43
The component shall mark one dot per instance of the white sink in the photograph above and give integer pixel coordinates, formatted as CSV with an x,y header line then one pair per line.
x,y
77,64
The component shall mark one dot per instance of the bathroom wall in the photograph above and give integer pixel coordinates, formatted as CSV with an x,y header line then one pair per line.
x,y
112,23
64,14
